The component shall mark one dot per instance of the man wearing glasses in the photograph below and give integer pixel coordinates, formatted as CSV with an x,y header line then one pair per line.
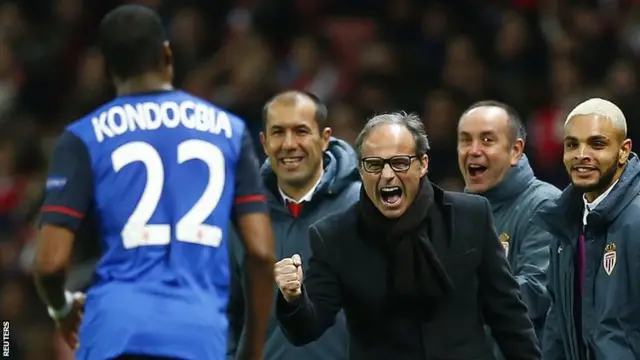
x,y
417,270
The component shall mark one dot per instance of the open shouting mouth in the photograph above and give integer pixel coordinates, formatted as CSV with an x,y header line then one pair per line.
x,y
391,195
476,171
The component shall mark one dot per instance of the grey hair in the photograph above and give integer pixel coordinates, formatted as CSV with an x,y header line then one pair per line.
x,y
412,122
600,107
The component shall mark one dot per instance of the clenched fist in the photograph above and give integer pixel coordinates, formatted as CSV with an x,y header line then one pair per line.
x,y
288,274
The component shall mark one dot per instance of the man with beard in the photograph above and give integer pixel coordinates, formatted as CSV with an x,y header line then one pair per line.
x,y
308,175
417,270
491,140
594,272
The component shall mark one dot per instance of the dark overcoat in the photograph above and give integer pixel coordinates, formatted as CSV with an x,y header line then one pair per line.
x,y
348,271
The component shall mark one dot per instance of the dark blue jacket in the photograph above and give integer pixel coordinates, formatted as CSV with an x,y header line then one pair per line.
x,y
611,293
338,189
513,201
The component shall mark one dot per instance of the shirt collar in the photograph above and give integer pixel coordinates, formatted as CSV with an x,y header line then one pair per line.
x,y
307,197
588,206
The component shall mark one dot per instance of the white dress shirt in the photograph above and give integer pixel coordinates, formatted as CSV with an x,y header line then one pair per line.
x,y
306,197
588,206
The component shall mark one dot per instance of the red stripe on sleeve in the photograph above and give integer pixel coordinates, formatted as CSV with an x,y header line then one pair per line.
x,y
249,199
62,210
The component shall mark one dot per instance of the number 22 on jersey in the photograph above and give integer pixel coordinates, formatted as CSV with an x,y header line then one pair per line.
x,y
190,228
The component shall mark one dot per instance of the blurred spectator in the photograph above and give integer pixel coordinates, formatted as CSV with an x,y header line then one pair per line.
x,y
440,116
345,121
308,67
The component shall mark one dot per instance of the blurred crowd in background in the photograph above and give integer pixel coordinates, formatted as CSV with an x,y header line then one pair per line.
x,y
360,56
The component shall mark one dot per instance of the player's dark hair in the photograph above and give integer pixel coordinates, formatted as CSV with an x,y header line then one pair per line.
x,y
516,126
131,40
292,98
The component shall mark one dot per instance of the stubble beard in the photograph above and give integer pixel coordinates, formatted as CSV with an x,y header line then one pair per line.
x,y
604,181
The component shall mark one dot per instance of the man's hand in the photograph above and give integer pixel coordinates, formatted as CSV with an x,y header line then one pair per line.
x,y
288,274
70,324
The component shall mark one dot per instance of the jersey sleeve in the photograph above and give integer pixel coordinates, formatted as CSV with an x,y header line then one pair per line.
x,y
69,186
249,195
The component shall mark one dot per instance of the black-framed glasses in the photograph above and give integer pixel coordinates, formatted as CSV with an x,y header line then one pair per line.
x,y
399,163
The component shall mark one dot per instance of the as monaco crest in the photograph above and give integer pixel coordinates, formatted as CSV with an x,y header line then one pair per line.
x,y
609,259
504,239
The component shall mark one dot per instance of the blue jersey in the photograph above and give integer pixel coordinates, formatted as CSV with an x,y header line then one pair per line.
x,y
160,176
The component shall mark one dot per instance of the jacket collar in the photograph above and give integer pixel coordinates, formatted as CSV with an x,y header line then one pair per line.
x,y
515,181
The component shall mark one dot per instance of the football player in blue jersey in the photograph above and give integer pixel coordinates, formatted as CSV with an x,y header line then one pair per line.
x,y
158,174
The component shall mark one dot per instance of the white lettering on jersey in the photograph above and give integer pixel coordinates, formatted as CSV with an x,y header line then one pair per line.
x,y
147,116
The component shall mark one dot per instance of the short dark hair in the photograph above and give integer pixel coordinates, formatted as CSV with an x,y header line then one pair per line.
x,y
131,40
516,126
412,122
292,97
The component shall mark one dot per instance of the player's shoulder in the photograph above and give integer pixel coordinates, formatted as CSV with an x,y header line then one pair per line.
x,y
79,123
236,121
223,116
82,127
74,133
